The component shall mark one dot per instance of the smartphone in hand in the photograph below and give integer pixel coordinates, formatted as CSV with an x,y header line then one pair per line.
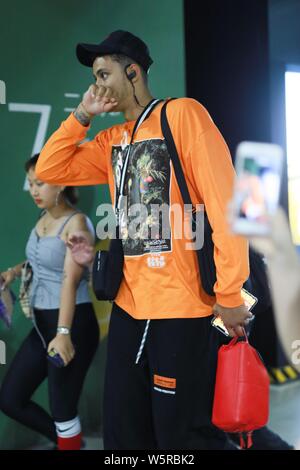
x,y
55,358
257,187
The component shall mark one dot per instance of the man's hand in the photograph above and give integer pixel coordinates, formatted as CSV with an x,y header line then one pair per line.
x,y
96,100
233,318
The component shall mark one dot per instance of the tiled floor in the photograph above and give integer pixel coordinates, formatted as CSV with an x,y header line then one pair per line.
x,y
285,412
94,443
284,417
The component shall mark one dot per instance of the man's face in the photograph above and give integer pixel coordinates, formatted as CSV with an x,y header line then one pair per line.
x,y
110,74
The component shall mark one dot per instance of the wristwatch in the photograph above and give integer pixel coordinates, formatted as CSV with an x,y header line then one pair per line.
x,y
63,330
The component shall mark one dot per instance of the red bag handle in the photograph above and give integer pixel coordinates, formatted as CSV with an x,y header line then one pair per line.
x,y
235,339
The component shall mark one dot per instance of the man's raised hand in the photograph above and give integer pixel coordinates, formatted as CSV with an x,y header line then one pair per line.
x,y
99,99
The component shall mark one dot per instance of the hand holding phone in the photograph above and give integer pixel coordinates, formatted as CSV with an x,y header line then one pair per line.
x,y
250,301
61,349
55,358
257,187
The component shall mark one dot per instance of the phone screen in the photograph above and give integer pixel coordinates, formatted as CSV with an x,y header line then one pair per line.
x,y
257,187
217,322
249,299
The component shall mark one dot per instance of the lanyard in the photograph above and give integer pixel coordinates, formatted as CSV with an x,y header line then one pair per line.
x,y
120,195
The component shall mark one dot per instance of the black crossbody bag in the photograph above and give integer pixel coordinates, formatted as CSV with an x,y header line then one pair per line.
x,y
107,273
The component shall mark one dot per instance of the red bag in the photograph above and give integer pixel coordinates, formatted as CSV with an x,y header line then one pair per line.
x,y
241,400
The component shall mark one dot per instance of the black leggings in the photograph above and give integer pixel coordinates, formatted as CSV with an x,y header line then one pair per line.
x,y
30,367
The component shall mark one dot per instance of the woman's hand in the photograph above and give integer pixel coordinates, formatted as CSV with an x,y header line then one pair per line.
x,y
279,243
64,346
81,249
7,277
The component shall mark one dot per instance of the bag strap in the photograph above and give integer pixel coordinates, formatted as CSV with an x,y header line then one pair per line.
x,y
183,185
236,338
174,155
177,166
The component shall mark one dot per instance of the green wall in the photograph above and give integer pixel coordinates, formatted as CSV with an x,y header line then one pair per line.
x,y
38,66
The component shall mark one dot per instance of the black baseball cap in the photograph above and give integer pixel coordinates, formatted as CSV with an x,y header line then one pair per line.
x,y
118,42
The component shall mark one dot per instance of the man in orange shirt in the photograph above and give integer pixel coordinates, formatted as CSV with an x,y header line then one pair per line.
x,y
162,350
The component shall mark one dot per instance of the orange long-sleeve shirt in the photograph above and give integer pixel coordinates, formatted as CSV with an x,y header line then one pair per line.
x,y
164,284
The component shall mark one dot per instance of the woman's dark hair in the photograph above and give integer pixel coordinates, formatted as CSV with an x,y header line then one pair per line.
x,y
70,192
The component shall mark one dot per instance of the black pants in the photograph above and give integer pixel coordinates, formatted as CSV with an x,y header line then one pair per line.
x,y
164,401
30,368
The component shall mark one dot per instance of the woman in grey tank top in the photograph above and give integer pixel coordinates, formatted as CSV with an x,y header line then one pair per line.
x,y
63,318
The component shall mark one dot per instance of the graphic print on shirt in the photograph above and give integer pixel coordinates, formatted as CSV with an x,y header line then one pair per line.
x,y
147,182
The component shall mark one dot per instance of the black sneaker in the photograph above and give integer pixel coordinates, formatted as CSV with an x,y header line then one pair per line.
x,y
265,439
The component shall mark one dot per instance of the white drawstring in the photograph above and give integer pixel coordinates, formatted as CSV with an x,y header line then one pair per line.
x,y
142,342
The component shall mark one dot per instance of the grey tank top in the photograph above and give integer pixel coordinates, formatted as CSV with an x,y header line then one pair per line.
x,y
47,256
